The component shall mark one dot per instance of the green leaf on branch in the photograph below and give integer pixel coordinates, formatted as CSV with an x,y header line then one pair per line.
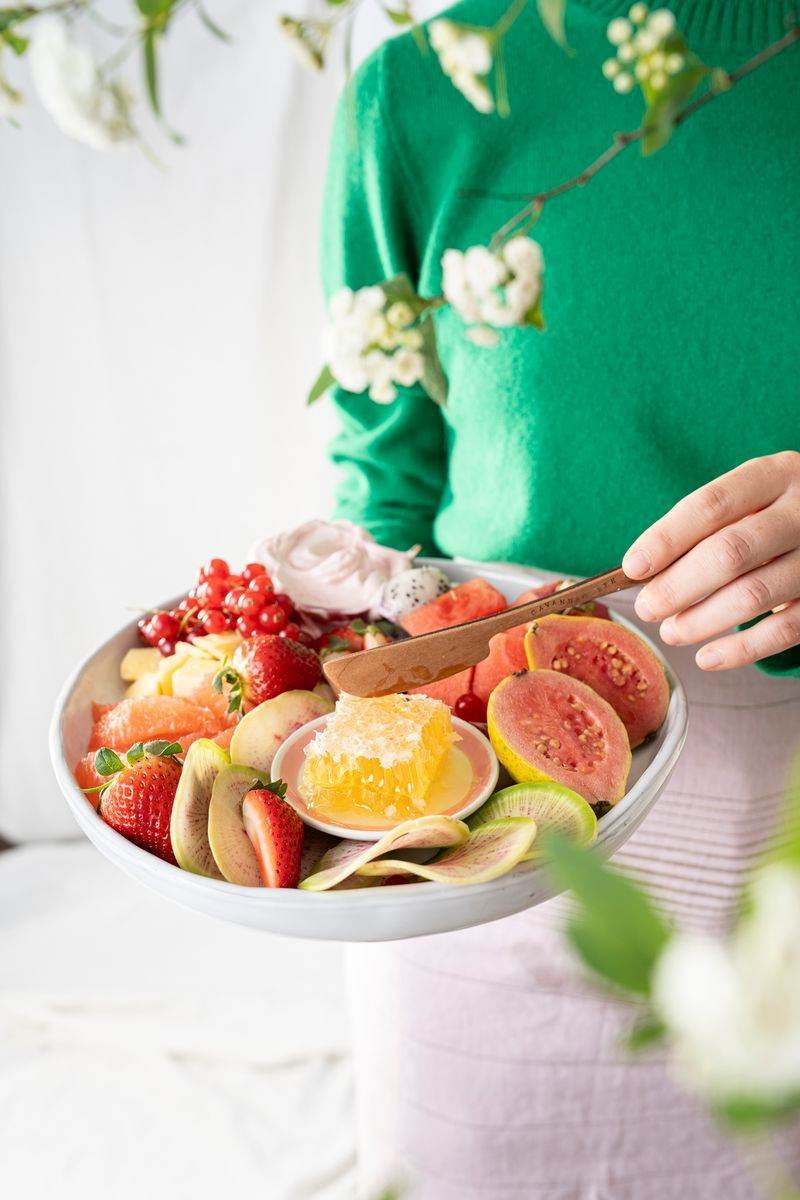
x,y
322,383
149,50
14,16
14,42
434,379
664,104
616,931
648,1031
751,1113
551,13
151,71
211,25
399,16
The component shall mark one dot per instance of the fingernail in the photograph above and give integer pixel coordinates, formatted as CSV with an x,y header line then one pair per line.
x,y
668,632
708,659
643,609
637,564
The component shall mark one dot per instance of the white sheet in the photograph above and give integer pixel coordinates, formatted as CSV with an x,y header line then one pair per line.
x,y
149,1051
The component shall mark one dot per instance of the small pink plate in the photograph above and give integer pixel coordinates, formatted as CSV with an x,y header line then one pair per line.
x,y
473,753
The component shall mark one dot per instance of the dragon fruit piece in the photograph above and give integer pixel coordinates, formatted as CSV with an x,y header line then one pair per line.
x,y
411,589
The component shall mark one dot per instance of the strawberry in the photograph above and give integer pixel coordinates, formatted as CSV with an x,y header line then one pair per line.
x,y
343,637
265,665
276,832
137,797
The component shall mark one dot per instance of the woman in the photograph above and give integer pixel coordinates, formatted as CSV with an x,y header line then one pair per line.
x,y
488,1067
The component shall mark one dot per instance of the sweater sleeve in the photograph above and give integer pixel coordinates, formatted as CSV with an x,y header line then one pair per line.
x,y
391,456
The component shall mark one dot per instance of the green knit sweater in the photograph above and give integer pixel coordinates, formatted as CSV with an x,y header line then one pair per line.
x,y
672,290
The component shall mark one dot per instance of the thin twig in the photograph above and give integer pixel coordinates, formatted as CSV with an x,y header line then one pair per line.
x,y
535,203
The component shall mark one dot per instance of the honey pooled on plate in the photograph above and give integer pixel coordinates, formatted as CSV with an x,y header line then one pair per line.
x,y
380,754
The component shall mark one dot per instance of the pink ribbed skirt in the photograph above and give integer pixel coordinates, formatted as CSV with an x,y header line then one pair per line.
x,y
489,1067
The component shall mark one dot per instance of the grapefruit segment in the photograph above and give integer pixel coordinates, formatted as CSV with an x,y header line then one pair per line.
x,y
611,659
547,725
148,718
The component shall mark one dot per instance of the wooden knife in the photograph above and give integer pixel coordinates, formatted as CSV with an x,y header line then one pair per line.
x,y
416,661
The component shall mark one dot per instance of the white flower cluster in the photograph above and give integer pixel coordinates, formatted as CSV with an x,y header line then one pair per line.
x,y
641,53
72,89
494,290
371,344
734,1008
465,56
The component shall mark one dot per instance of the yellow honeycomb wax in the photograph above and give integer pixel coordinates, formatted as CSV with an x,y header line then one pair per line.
x,y
379,755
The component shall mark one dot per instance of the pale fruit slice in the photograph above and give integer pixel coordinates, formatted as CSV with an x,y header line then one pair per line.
x,y
217,645
146,685
138,662
549,804
188,827
490,851
325,691
262,731
169,665
315,845
232,849
347,857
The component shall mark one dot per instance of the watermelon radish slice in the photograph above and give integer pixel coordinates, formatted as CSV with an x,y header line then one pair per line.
x,y
549,804
345,858
490,851
611,659
547,725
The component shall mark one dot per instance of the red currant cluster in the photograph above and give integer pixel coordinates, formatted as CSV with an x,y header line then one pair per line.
x,y
221,600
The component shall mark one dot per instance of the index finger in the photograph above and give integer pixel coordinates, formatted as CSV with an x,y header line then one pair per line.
x,y
739,492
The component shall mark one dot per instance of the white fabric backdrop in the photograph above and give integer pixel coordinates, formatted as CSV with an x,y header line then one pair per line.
x,y
158,329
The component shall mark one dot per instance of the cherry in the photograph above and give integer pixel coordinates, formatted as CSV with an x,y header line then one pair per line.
x,y
292,630
164,625
215,568
247,626
231,601
250,604
145,627
213,621
272,618
261,585
253,570
470,708
212,592
166,646
285,602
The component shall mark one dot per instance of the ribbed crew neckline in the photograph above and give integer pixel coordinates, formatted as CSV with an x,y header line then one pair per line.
x,y
732,23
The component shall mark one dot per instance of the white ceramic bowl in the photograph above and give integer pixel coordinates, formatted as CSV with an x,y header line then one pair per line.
x,y
362,915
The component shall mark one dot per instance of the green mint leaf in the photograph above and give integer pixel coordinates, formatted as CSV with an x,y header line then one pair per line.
x,y
163,748
358,626
135,753
617,931
107,762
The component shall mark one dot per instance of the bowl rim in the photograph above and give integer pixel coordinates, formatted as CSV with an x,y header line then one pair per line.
x,y
140,861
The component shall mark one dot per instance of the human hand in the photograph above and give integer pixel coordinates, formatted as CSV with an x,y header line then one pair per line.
x,y
724,554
